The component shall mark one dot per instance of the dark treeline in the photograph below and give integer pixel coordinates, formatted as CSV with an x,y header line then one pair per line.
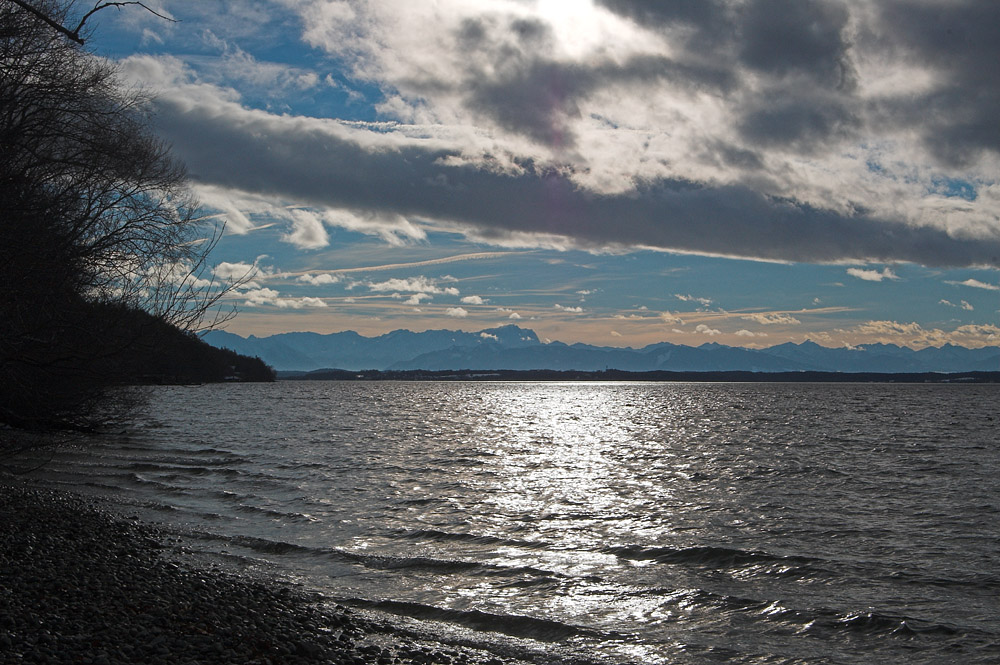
x,y
104,279
159,353
621,375
62,379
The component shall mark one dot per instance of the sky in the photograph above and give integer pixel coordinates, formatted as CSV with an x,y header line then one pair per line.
x,y
613,172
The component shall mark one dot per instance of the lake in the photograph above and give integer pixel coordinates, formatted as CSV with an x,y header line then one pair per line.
x,y
634,522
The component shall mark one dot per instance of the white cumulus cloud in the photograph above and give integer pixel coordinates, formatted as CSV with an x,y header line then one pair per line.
x,y
413,285
320,279
264,297
872,275
976,284
772,318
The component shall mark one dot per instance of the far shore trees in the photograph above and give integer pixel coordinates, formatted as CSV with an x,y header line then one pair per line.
x,y
97,223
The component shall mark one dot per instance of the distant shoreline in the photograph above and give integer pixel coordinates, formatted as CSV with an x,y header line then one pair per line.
x,y
651,376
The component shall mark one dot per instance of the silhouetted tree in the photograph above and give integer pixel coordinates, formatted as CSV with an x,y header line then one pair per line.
x,y
97,222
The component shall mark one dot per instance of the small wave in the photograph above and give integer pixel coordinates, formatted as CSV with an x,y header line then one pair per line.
x,y
515,625
274,514
974,581
422,502
436,536
166,488
180,468
876,623
388,562
704,599
871,622
375,561
708,556
262,545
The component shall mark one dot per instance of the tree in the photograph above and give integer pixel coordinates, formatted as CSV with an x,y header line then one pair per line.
x,y
97,222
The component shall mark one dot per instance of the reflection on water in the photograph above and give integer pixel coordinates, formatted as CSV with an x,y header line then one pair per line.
x,y
645,522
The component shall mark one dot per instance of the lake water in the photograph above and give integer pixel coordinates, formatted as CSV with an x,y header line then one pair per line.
x,y
632,522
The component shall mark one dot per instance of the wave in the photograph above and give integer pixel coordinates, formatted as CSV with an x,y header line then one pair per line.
x,y
707,556
514,625
813,620
980,581
436,536
180,470
388,562
876,623
262,545
379,561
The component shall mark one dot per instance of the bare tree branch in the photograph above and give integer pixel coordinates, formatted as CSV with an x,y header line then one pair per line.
x,y
104,273
74,35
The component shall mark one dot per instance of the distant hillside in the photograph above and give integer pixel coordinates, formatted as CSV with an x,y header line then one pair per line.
x,y
515,348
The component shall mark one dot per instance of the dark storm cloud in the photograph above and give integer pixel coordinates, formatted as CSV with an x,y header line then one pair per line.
x,y
539,99
797,49
712,129
960,42
805,124
510,77
800,37
700,23
293,159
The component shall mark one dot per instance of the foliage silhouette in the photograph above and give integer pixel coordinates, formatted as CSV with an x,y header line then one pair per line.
x,y
101,245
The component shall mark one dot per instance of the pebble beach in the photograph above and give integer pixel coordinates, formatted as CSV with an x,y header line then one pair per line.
x,y
81,584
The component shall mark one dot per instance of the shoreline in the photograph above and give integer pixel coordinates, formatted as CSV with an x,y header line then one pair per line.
x,y
80,583
652,376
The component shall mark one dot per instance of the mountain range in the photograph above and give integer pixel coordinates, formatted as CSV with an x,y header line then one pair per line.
x,y
515,348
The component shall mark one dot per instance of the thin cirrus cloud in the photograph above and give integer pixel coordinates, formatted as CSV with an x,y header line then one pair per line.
x,y
605,124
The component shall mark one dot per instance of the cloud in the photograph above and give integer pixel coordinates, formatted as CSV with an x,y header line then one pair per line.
x,y
235,271
913,334
704,302
474,300
266,78
307,231
269,297
963,305
667,317
772,318
747,333
419,284
817,131
890,328
871,275
574,310
457,312
320,279
702,329
976,284
414,299
514,316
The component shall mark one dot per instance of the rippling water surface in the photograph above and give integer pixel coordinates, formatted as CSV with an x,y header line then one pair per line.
x,y
673,523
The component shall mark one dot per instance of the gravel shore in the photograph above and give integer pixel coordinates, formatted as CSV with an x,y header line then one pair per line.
x,y
79,584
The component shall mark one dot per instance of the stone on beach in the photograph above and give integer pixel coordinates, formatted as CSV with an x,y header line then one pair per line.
x,y
80,585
